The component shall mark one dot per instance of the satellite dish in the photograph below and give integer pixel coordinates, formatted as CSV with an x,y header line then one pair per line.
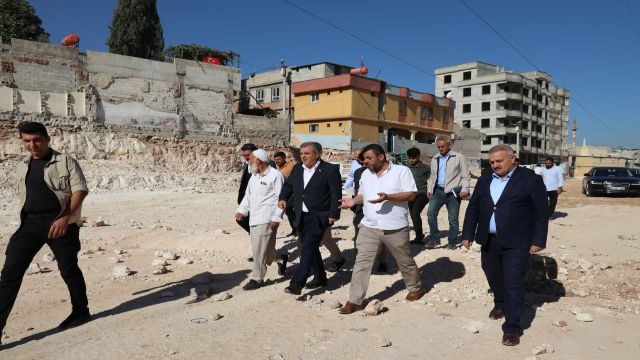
x,y
449,95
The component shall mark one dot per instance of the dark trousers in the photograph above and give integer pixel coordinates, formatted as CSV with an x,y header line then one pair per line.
x,y
244,223
310,231
24,245
553,201
505,270
437,201
415,209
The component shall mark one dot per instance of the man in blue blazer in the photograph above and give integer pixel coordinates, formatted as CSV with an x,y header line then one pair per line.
x,y
317,190
509,216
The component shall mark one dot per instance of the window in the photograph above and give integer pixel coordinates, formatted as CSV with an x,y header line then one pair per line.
x,y
466,92
446,92
525,92
447,79
466,108
260,95
525,141
328,125
373,93
445,116
486,123
466,123
315,97
466,75
525,125
402,108
314,128
275,94
486,141
486,106
525,109
426,112
486,89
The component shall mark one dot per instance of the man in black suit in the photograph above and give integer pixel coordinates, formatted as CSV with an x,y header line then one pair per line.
x,y
246,149
316,190
508,214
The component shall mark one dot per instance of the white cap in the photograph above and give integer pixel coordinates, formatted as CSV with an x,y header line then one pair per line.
x,y
261,155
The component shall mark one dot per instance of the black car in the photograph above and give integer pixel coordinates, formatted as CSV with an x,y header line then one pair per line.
x,y
611,180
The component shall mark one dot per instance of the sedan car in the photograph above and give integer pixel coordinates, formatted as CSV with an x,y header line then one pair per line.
x,y
611,180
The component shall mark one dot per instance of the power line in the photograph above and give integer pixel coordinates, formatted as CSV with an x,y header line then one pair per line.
x,y
575,100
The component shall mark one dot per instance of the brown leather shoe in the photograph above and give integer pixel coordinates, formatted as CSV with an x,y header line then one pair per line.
x,y
415,295
496,314
510,339
350,308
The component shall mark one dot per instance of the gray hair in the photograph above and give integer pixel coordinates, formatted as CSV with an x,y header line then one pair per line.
x,y
502,147
315,146
444,138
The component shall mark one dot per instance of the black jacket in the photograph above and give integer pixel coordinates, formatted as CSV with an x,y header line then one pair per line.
x,y
522,212
322,194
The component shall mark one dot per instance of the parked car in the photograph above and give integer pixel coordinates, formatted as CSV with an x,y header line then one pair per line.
x,y
611,180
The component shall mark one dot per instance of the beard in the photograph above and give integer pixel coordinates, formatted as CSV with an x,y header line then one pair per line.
x,y
253,168
375,167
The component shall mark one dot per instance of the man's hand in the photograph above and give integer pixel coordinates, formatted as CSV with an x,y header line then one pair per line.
x,y
59,227
464,195
382,197
274,225
239,217
560,191
282,204
347,203
534,249
467,243
332,221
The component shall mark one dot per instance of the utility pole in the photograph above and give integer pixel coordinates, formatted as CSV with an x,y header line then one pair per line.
x,y
283,72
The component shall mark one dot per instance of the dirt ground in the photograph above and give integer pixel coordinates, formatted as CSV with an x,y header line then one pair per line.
x,y
592,263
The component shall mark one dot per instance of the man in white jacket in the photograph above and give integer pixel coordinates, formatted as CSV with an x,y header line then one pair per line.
x,y
261,200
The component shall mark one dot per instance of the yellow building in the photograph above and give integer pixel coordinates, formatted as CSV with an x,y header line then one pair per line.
x,y
587,157
345,111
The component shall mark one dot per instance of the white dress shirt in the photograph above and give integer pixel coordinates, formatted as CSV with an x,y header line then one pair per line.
x,y
553,177
261,197
307,173
387,215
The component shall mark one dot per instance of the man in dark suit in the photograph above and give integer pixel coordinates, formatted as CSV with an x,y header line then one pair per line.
x,y
316,190
508,214
246,149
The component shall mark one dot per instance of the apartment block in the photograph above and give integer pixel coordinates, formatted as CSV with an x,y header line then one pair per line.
x,y
524,110
272,89
346,111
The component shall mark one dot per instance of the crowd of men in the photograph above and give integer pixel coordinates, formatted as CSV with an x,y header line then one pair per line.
x,y
507,215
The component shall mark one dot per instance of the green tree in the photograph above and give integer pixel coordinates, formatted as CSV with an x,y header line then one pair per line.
x,y
197,52
18,19
136,30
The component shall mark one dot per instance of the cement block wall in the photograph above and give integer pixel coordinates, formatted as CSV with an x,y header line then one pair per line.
x,y
45,82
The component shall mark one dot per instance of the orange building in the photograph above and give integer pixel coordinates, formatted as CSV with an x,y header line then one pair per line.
x,y
346,111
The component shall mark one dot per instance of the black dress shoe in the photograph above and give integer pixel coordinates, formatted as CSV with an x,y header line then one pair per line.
x,y
417,241
496,314
282,267
293,289
510,339
75,319
334,266
252,285
316,283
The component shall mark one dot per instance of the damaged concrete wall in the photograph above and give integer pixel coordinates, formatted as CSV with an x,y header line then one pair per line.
x,y
187,99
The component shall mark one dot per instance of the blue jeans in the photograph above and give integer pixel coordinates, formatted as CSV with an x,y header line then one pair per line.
x,y
437,200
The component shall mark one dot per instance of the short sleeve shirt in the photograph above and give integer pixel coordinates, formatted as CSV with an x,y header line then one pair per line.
x,y
388,215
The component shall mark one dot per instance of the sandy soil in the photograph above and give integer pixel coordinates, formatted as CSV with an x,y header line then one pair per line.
x,y
592,262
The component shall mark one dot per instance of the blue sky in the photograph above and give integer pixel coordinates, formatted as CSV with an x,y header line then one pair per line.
x,y
590,47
